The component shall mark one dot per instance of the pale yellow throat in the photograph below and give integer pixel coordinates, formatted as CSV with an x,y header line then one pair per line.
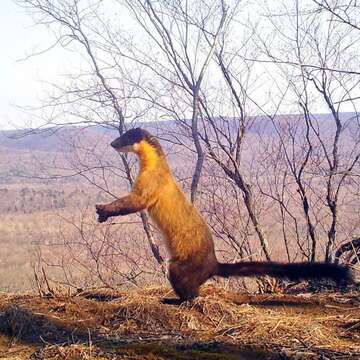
x,y
147,154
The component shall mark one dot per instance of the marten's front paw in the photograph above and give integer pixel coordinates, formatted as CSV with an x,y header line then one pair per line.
x,y
102,213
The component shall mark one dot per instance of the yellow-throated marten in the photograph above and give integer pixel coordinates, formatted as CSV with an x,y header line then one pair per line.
x,y
187,236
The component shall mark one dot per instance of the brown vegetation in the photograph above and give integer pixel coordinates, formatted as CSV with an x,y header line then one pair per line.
x,y
117,324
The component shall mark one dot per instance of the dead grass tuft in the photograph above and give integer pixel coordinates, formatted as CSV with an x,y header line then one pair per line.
x,y
144,313
72,352
218,310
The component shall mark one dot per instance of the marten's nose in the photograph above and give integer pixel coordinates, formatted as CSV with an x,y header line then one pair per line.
x,y
116,143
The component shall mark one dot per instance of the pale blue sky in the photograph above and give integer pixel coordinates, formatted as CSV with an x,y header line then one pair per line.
x,y
21,82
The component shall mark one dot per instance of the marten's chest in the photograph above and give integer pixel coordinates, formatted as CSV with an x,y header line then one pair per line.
x,y
168,213
183,229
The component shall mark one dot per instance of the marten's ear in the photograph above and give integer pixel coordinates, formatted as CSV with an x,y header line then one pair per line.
x,y
129,141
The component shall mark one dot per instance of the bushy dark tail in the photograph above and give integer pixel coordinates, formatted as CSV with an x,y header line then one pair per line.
x,y
291,271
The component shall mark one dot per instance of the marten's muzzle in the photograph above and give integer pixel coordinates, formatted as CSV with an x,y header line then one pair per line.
x,y
117,144
128,141
122,144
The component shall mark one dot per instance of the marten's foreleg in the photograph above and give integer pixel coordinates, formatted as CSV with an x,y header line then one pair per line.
x,y
126,205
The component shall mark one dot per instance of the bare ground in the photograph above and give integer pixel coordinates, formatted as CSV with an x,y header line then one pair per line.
x,y
115,324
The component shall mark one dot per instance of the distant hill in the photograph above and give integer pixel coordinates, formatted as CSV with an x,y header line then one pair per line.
x,y
55,139
51,140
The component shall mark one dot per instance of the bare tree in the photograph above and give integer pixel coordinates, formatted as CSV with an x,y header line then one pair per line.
x,y
172,27
70,17
308,55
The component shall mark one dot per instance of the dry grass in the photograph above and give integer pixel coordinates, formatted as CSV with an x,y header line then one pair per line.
x,y
108,324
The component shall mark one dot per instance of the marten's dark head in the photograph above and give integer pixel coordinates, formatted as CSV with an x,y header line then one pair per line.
x,y
134,139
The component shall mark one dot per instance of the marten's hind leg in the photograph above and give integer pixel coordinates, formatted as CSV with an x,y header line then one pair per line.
x,y
185,278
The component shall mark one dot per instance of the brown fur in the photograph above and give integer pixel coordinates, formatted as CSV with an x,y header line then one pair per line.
x,y
187,236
